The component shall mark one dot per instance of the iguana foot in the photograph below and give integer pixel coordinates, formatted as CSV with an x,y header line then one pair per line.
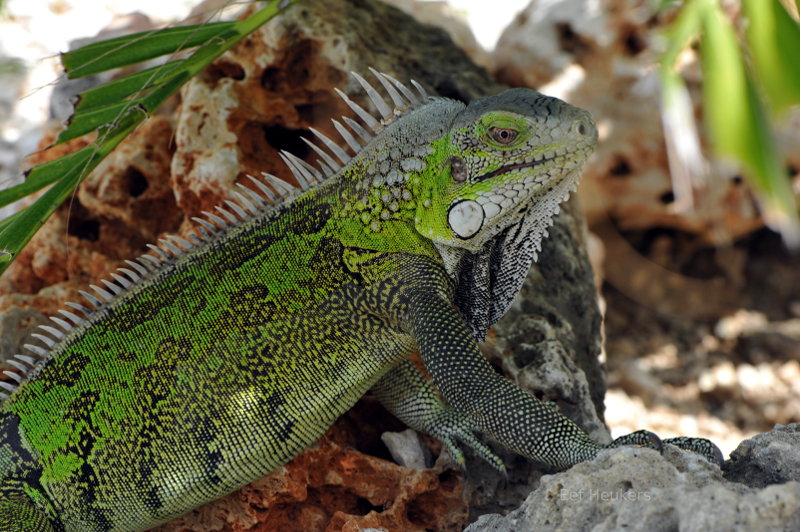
x,y
452,426
645,438
705,448
405,392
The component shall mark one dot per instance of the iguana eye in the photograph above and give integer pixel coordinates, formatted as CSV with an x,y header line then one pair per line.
x,y
503,135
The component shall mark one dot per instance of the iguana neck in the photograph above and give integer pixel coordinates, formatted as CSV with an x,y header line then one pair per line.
x,y
386,185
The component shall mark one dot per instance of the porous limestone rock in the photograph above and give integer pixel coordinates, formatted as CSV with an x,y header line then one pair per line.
x,y
639,490
766,459
406,448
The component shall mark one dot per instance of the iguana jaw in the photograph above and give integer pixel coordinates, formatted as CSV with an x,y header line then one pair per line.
x,y
511,167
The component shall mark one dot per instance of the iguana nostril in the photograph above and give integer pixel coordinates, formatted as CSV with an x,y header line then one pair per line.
x,y
582,127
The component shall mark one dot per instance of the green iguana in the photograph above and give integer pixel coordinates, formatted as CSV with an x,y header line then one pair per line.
x,y
221,356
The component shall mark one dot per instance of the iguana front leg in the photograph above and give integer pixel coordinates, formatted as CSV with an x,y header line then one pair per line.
x,y
500,409
495,406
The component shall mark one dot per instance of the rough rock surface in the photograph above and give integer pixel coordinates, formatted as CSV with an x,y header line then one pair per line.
x,y
765,459
638,489
15,326
233,119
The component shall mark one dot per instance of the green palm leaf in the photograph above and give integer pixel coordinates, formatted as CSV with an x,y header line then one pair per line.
x,y
746,83
116,108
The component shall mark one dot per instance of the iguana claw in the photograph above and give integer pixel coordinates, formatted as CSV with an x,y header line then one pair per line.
x,y
453,426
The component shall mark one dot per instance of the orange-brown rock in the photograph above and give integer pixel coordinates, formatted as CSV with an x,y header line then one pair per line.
x,y
330,488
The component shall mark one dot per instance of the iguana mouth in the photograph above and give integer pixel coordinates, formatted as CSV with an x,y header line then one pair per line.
x,y
516,166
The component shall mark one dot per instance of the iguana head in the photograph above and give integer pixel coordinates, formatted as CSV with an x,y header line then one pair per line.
x,y
506,155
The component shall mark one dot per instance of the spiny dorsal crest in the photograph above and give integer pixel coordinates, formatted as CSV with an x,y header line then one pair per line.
x,y
247,202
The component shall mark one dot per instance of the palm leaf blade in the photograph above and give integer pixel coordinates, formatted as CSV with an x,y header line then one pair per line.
x,y
131,49
125,87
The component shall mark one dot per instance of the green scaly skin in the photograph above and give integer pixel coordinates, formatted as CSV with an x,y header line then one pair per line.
x,y
230,359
